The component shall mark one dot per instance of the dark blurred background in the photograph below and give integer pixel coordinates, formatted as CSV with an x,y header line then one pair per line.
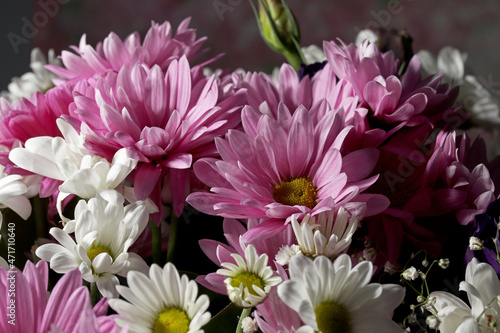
x,y
230,26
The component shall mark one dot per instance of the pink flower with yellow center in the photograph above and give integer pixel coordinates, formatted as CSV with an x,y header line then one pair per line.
x,y
293,166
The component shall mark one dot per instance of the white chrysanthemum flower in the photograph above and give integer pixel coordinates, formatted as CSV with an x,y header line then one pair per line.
x,y
67,160
366,34
286,253
162,302
322,235
38,80
334,297
12,194
313,54
481,104
104,231
249,280
483,288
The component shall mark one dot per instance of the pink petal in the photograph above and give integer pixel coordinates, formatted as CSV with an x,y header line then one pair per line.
x,y
266,229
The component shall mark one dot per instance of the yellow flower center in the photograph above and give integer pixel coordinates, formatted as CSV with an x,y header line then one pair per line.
x,y
248,280
332,317
296,192
95,250
171,320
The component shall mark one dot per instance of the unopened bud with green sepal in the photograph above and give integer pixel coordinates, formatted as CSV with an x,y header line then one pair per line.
x,y
279,29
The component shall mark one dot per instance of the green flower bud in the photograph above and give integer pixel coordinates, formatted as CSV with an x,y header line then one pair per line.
x,y
279,29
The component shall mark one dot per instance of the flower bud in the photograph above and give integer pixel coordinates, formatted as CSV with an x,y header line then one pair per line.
x,y
410,274
420,299
444,263
475,244
279,29
432,322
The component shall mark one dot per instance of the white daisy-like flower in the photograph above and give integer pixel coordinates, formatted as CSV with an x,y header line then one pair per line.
x,y
66,159
104,231
162,302
483,288
334,297
248,281
482,105
12,194
325,234
38,80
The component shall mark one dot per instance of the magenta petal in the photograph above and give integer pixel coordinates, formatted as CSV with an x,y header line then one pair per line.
x,y
36,278
59,297
178,180
299,148
179,161
466,216
155,96
207,172
204,202
101,308
24,301
145,178
280,211
209,247
214,282
76,312
266,229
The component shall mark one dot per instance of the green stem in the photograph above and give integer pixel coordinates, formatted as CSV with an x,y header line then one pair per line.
x,y
245,313
172,237
156,239
95,295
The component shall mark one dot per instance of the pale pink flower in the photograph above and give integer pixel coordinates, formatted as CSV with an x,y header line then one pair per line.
x,y
166,119
33,117
67,309
391,98
158,48
293,166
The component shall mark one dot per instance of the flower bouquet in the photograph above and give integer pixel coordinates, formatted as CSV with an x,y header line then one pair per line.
x,y
354,189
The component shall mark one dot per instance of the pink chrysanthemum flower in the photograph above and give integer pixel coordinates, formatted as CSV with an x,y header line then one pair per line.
x,y
293,166
264,94
67,309
167,119
391,98
158,48
433,190
468,172
31,118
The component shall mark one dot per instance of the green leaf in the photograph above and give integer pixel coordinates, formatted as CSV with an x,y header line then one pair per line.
x,y
225,321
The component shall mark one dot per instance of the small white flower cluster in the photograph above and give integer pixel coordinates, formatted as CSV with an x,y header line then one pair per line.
x,y
38,80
